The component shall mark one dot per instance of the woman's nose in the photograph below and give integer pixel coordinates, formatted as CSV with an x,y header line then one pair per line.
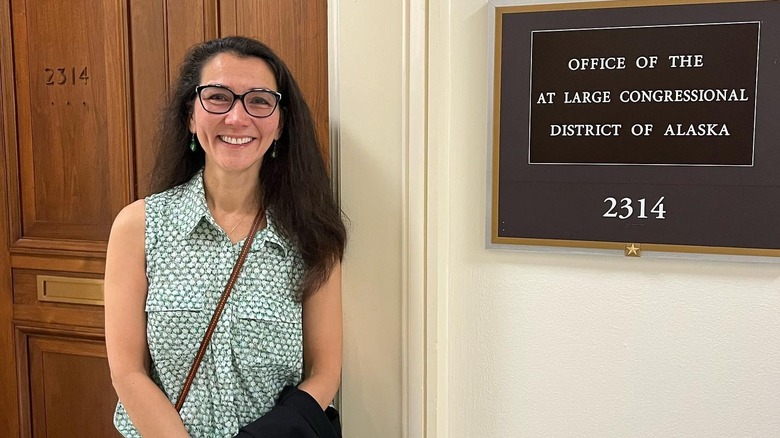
x,y
237,114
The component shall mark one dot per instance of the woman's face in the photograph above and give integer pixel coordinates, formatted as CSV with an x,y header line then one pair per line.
x,y
236,141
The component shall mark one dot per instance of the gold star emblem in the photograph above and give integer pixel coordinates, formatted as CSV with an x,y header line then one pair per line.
x,y
633,250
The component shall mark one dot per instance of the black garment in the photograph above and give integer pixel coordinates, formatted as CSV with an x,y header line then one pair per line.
x,y
296,415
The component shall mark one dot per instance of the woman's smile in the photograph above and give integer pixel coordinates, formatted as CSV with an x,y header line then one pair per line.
x,y
239,141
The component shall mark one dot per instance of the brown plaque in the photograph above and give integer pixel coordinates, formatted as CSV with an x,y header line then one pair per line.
x,y
632,124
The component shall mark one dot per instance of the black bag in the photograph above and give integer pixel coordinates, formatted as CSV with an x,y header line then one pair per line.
x,y
296,415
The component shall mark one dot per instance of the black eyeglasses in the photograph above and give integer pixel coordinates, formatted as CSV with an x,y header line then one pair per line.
x,y
218,99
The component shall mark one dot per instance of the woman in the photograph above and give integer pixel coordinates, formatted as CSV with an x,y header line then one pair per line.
x,y
237,138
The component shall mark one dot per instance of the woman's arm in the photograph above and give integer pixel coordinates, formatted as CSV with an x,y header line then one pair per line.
x,y
322,340
128,352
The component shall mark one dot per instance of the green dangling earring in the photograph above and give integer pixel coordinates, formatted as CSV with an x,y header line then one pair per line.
x,y
273,149
193,143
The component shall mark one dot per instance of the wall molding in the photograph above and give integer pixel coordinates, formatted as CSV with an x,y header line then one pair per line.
x,y
414,248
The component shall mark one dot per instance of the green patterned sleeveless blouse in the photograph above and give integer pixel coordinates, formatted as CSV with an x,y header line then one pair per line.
x,y
257,346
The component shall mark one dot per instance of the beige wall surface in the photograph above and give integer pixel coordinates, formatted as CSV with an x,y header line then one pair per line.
x,y
366,48
516,342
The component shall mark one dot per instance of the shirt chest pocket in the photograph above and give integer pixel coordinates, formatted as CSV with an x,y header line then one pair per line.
x,y
176,322
268,333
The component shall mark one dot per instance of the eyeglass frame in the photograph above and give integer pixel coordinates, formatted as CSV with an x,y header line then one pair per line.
x,y
240,97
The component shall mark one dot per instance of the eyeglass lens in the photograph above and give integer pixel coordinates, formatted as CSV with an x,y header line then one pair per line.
x,y
219,100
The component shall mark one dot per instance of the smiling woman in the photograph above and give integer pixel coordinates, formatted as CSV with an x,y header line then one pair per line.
x,y
236,137
171,254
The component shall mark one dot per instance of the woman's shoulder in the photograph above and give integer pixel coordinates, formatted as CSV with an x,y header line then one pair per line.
x,y
130,220
131,213
165,196
186,192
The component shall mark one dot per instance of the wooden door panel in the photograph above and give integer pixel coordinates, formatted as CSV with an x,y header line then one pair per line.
x,y
189,22
73,145
150,80
9,398
65,309
65,385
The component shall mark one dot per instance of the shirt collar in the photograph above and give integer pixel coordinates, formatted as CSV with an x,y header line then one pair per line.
x,y
195,210
271,235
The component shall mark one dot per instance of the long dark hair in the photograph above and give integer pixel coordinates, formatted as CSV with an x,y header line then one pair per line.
x,y
294,185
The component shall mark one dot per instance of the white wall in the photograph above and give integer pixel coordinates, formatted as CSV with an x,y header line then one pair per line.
x,y
512,343
366,46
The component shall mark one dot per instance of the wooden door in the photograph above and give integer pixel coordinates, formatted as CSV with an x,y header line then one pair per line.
x,y
81,83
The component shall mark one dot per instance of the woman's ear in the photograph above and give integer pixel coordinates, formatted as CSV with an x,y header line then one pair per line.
x,y
280,128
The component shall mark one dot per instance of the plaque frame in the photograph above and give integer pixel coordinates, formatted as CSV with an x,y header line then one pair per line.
x,y
628,247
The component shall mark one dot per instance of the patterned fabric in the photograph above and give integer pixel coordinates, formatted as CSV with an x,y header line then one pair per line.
x,y
257,347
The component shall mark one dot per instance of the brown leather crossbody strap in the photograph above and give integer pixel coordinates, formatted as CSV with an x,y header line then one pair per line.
x,y
218,311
